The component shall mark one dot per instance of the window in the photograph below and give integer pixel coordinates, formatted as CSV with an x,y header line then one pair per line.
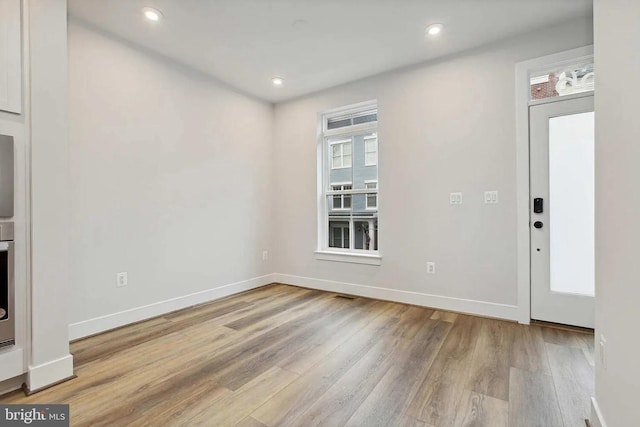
x,y
372,198
351,119
341,201
348,174
563,80
341,154
371,150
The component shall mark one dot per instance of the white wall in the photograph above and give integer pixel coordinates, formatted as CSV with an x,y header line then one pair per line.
x,y
445,126
170,178
617,52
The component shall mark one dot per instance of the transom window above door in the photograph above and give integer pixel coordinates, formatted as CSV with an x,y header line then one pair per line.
x,y
563,80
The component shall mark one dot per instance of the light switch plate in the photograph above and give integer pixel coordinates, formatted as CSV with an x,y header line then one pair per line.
x,y
431,267
122,279
491,197
455,198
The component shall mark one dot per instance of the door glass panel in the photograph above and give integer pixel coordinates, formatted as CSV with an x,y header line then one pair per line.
x,y
571,203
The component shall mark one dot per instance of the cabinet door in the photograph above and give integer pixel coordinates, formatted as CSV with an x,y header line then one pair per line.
x,y
10,57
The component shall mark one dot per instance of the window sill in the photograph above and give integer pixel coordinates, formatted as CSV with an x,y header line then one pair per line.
x,y
353,258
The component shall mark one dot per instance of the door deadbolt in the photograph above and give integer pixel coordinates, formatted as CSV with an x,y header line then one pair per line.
x,y
538,205
538,224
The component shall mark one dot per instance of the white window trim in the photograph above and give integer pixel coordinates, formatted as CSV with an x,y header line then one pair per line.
x,y
365,150
323,252
341,142
351,257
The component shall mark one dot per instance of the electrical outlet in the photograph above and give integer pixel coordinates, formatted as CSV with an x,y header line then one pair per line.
x,y
603,354
122,279
265,255
431,267
491,197
455,198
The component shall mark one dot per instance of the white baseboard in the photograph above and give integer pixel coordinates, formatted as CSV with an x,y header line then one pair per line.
x,y
49,373
122,318
481,308
597,420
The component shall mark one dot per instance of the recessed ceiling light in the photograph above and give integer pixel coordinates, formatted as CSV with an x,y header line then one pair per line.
x,y
434,29
277,81
152,14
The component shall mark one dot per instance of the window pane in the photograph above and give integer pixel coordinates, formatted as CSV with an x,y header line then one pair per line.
x,y
337,202
365,234
336,155
347,202
338,122
346,161
566,80
372,201
360,238
346,148
370,159
571,191
364,165
338,234
370,145
365,118
374,235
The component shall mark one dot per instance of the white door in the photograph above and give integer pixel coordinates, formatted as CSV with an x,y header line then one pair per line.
x,y
562,211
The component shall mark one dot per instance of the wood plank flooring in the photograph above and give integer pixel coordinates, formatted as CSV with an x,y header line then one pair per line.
x,y
287,356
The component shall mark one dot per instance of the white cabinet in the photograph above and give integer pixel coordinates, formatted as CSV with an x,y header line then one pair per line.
x,y
10,56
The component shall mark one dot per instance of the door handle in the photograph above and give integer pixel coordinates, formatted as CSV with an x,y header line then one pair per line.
x,y
538,224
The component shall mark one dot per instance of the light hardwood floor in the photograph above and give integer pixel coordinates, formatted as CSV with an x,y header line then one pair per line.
x,y
288,356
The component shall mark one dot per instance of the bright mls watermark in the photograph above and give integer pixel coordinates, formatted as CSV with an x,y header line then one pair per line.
x,y
34,415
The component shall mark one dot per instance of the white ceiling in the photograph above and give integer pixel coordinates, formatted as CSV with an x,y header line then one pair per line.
x,y
316,44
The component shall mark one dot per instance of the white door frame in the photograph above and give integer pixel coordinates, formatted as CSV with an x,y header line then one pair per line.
x,y
523,91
